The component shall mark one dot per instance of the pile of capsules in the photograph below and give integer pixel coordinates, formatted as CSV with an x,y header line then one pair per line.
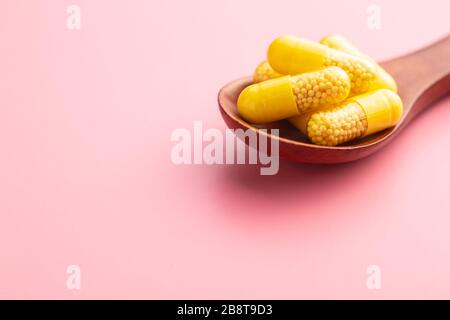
x,y
329,90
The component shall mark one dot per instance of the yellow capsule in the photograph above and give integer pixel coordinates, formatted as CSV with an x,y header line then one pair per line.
x,y
289,96
292,55
343,45
354,118
264,72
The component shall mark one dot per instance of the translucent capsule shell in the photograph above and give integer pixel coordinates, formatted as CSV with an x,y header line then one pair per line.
x,y
289,96
292,55
340,43
317,89
265,72
354,118
337,125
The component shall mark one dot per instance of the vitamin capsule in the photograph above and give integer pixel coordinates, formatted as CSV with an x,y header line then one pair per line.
x,y
290,96
291,55
265,72
343,45
339,43
354,118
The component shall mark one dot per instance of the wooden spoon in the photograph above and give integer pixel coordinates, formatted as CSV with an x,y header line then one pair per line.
x,y
422,77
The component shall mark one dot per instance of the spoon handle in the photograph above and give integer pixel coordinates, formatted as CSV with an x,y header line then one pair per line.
x,y
422,76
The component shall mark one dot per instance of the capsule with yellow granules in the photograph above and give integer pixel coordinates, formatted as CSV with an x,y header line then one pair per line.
x,y
354,118
265,72
290,96
339,43
292,55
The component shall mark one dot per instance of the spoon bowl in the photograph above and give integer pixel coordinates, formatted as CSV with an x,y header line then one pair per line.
x,y
422,77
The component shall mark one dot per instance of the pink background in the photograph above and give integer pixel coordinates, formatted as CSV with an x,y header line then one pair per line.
x,y
86,177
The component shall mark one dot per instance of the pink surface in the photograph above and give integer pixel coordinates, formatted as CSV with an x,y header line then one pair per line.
x,y
86,176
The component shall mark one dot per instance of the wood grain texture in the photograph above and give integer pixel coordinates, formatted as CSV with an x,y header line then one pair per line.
x,y
423,77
